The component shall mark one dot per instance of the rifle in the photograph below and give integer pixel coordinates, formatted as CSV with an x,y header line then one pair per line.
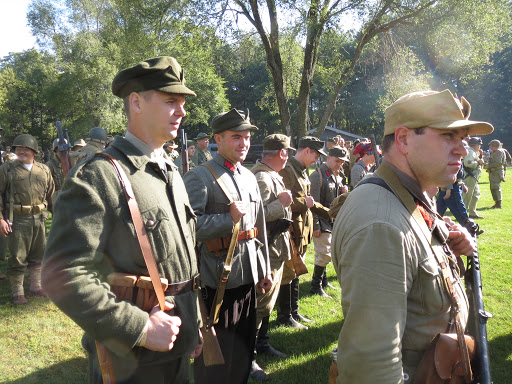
x,y
298,265
375,153
212,354
477,321
63,147
184,151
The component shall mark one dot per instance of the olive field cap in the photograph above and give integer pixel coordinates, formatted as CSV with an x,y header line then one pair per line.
x,y
191,143
202,135
495,143
433,109
25,140
79,143
313,143
475,141
171,144
161,74
339,152
276,141
234,120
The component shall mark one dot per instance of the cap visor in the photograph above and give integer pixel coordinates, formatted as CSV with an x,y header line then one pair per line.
x,y
178,89
475,127
322,152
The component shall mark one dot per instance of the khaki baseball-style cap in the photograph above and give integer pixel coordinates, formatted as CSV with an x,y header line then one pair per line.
x,y
339,152
171,144
202,135
234,120
433,109
161,74
79,143
313,143
276,141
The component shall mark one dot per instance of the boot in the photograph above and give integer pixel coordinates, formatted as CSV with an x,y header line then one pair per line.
x,y
316,282
256,373
325,282
284,311
262,344
18,294
497,204
35,280
294,301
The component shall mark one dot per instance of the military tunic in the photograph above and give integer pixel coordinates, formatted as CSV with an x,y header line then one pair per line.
x,y
296,179
495,167
357,173
201,156
473,170
271,186
32,195
93,235
89,149
325,187
393,300
236,329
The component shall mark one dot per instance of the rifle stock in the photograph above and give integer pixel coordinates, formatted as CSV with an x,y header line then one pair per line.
x,y
64,158
212,354
298,264
477,322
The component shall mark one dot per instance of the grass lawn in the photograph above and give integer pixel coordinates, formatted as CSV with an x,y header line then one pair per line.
x,y
38,344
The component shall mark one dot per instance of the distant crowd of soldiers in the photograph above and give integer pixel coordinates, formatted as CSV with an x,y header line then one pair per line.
x,y
250,229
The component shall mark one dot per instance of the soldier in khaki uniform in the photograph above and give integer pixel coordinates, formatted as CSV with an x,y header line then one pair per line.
x,y
95,143
202,154
496,169
276,202
93,235
55,167
191,149
296,179
473,169
27,187
326,185
389,244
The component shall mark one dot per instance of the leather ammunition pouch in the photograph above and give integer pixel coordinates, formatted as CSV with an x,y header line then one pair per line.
x,y
442,362
27,209
222,243
276,227
139,289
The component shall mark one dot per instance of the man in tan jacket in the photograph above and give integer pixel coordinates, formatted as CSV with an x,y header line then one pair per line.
x,y
389,245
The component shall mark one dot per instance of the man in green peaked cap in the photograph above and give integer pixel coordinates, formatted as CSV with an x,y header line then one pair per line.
x,y
224,193
202,154
93,244
391,250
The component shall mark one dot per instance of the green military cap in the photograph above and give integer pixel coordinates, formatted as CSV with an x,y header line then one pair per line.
x,y
475,141
276,141
313,143
161,74
191,143
202,135
339,152
332,140
433,109
234,120
171,144
495,143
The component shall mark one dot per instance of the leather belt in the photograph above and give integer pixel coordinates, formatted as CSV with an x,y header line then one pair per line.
x,y
183,286
28,209
222,243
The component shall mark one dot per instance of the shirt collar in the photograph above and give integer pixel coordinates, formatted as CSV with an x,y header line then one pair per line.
x,y
219,159
155,155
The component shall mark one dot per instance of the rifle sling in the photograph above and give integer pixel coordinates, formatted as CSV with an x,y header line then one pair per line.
x,y
11,193
407,200
142,237
221,288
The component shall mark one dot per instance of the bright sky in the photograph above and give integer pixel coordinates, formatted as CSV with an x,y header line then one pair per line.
x,y
15,33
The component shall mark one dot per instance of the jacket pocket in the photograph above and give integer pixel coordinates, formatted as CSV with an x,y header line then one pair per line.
x,y
432,295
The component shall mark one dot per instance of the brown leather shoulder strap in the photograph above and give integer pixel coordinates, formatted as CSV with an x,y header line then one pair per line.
x,y
140,230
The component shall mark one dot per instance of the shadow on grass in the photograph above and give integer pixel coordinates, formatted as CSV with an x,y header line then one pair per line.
x,y
500,349
72,371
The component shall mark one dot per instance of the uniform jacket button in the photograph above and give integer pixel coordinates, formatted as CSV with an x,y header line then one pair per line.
x,y
150,223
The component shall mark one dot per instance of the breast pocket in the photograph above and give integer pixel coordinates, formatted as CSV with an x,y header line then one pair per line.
x,y
156,223
432,295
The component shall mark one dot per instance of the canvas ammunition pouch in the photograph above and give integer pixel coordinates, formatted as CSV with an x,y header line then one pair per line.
x,y
28,209
139,290
222,243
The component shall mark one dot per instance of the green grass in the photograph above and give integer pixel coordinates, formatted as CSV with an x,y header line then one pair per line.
x,y
38,344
